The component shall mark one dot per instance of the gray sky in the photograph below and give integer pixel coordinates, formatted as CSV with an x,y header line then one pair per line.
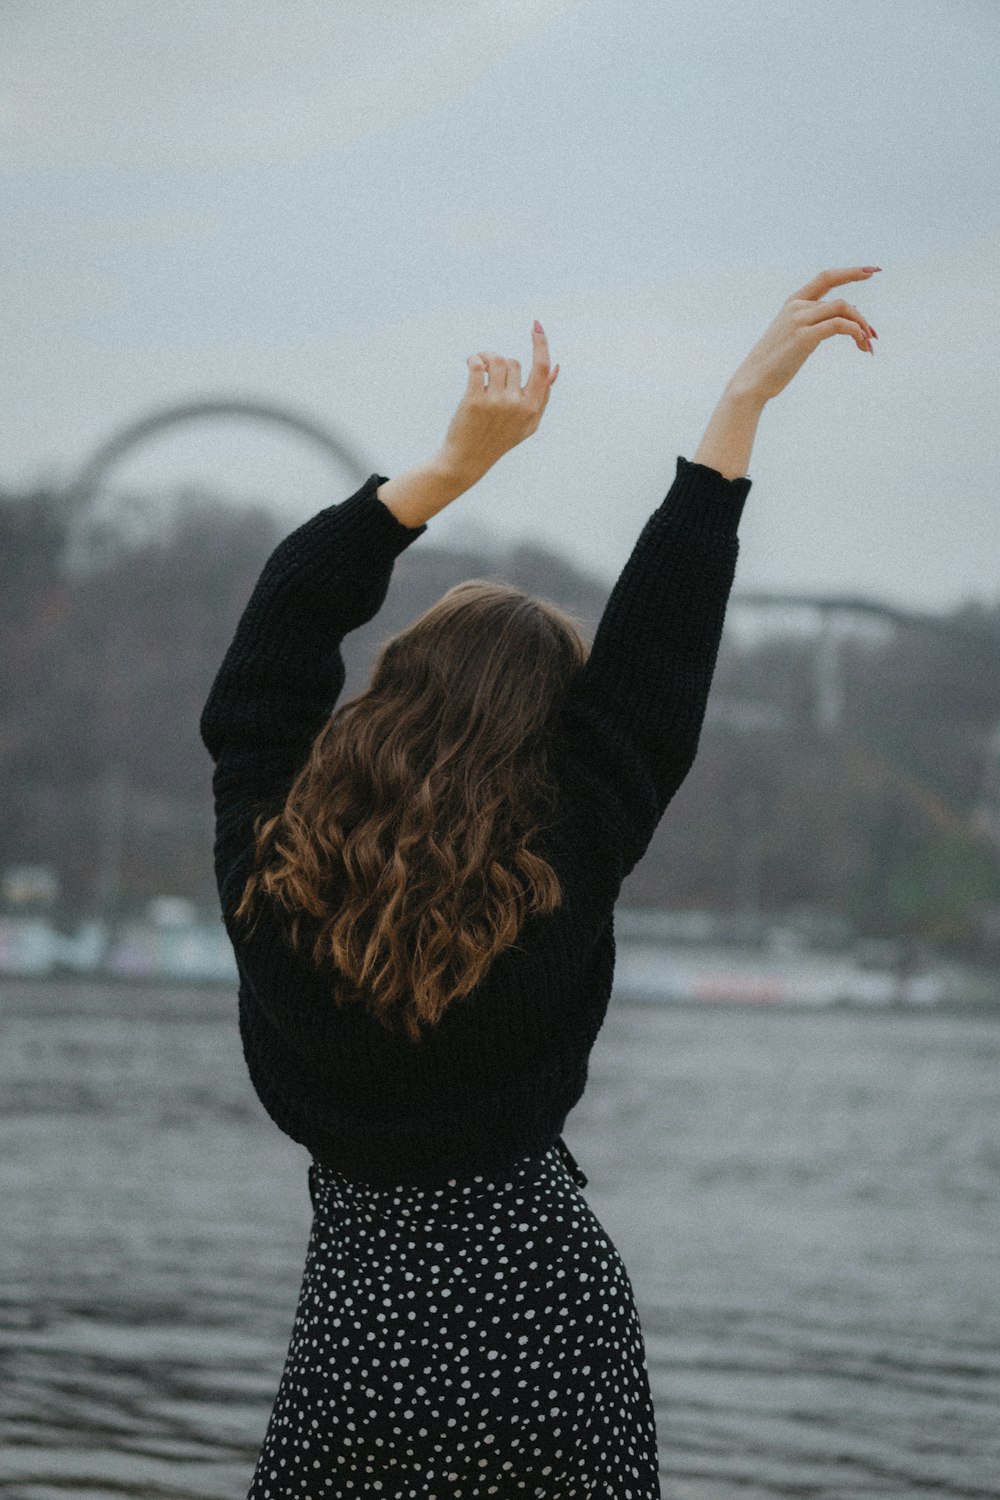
x,y
332,204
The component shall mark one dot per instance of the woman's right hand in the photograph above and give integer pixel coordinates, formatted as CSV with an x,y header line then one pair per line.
x,y
803,322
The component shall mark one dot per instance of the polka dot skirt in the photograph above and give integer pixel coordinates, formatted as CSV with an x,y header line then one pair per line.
x,y
457,1342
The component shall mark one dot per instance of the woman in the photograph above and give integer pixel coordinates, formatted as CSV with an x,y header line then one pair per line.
x,y
419,888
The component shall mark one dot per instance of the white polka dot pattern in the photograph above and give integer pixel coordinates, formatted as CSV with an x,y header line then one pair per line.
x,y
457,1342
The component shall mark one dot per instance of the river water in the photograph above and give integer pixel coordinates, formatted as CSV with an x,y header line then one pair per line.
x,y
808,1203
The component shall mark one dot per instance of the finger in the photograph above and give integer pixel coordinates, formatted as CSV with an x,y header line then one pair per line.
x,y
550,382
477,369
539,406
539,379
827,280
496,366
830,326
837,308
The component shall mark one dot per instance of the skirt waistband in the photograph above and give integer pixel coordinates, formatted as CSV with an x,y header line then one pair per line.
x,y
462,1189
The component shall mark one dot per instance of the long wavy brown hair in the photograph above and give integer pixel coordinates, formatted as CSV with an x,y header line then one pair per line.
x,y
404,847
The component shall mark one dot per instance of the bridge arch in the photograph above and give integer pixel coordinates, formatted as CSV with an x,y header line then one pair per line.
x,y
84,485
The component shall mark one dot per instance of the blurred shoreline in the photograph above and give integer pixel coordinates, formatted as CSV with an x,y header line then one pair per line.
x,y
663,958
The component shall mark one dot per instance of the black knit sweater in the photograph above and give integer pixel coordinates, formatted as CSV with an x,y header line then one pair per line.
x,y
496,1078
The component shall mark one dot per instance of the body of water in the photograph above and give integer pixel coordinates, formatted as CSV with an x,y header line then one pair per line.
x,y
808,1203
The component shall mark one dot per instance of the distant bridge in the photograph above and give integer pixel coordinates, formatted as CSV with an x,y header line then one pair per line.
x,y
828,676
87,482
831,604
89,478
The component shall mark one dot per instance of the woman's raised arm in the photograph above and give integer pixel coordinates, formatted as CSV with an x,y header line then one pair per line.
x,y
634,715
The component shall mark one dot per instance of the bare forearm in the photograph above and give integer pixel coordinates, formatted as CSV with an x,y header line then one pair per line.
x,y
728,439
420,492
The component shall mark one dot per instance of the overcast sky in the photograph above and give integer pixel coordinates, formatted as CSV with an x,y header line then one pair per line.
x,y
331,205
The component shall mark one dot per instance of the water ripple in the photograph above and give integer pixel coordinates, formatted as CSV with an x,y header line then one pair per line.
x,y
807,1204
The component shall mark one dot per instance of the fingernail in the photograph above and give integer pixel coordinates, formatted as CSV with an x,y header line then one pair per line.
x,y
871,268
538,327
874,334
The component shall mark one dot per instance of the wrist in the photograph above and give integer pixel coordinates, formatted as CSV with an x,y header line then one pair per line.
x,y
421,492
456,472
743,395
729,437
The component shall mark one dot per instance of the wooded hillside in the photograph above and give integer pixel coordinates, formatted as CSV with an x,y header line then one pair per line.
x,y
890,821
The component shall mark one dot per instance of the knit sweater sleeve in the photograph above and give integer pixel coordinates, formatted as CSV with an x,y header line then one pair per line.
x,y
630,728
283,671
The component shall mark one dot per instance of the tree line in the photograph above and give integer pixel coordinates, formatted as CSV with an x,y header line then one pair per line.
x,y
888,822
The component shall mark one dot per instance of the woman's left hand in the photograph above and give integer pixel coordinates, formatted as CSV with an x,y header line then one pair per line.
x,y
494,417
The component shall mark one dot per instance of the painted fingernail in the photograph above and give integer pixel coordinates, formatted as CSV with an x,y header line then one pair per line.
x,y
874,334
871,268
538,327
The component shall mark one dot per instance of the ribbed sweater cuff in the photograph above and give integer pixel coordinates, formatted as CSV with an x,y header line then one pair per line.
x,y
368,512
364,527
705,501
